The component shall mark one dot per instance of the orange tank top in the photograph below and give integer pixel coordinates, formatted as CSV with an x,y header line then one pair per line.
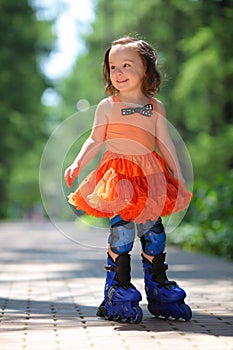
x,y
132,134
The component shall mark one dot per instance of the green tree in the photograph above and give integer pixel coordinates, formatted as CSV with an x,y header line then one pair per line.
x,y
203,90
193,40
23,40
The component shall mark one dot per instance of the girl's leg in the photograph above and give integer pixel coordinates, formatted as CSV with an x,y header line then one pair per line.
x,y
165,298
121,298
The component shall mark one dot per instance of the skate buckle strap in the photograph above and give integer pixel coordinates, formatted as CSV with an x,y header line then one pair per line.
x,y
168,284
110,268
111,293
123,284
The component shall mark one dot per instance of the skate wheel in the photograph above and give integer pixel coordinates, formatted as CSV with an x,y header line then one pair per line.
x,y
187,312
118,318
166,316
138,315
101,311
125,315
152,310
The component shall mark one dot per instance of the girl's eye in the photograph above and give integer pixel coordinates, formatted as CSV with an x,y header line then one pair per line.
x,y
126,65
112,67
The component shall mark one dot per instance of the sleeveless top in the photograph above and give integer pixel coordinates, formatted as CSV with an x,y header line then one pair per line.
x,y
131,180
130,134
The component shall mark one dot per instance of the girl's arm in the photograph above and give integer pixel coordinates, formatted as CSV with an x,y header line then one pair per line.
x,y
165,144
91,146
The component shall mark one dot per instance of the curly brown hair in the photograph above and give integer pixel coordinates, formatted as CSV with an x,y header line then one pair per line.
x,y
152,80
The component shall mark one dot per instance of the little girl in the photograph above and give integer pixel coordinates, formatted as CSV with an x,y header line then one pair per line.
x,y
133,185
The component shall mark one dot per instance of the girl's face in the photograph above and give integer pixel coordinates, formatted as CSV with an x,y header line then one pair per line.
x,y
126,68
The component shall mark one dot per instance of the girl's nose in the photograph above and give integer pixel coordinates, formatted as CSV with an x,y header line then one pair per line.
x,y
118,71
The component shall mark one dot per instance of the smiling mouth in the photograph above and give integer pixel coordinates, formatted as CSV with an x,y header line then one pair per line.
x,y
122,81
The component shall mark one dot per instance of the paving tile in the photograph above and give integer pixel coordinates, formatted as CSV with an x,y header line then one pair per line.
x,y
51,288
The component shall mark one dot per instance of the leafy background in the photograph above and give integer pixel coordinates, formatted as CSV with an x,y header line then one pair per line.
x,y
194,42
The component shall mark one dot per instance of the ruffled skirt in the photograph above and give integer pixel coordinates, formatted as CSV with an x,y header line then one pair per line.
x,y
137,187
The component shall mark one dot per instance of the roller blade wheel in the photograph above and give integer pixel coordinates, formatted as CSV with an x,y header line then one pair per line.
x,y
130,313
171,310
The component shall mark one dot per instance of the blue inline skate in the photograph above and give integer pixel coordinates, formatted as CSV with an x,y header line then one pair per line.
x,y
121,298
165,298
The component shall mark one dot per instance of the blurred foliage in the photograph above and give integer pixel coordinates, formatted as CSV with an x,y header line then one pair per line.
x,y
24,41
193,40
194,43
209,220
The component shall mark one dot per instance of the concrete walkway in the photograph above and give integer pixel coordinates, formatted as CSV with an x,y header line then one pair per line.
x,y
50,288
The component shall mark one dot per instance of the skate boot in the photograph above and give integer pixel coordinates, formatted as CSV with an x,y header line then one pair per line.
x,y
121,298
165,298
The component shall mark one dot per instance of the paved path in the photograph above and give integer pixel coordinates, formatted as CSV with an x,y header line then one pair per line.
x,y
50,288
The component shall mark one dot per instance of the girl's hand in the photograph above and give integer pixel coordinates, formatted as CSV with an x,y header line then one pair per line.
x,y
71,173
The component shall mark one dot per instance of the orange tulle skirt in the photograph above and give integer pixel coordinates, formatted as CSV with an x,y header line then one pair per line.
x,y
138,188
